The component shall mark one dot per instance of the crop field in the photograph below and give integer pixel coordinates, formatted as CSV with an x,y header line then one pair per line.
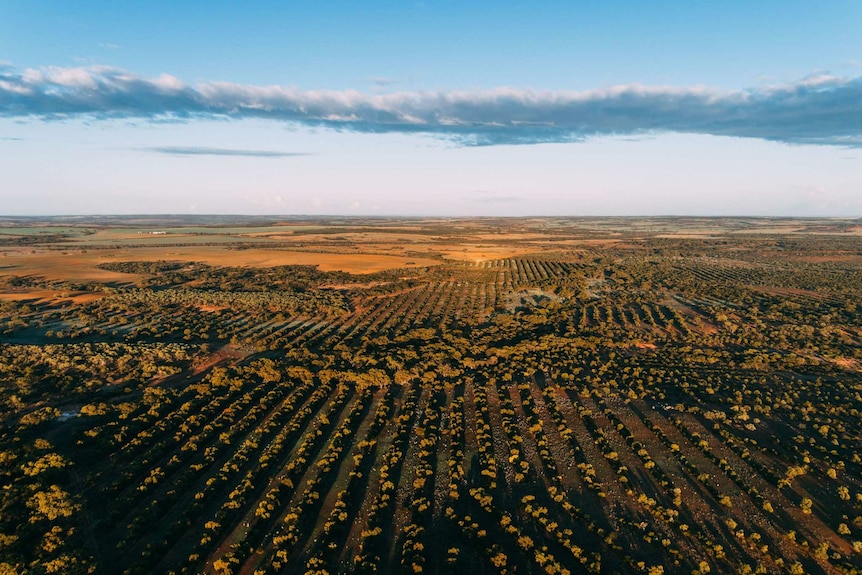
x,y
492,396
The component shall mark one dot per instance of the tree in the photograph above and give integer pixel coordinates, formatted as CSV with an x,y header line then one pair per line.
x,y
51,504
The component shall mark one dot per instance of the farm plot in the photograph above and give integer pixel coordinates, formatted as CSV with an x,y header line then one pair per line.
x,y
566,402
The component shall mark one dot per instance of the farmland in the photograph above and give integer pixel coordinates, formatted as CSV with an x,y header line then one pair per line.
x,y
538,395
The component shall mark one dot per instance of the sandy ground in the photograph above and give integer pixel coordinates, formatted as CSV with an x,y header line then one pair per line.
x,y
481,253
41,295
687,236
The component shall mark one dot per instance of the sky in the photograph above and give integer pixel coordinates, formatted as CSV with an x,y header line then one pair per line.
x,y
563,108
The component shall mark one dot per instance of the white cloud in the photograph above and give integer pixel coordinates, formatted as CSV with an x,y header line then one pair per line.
x,y
819,109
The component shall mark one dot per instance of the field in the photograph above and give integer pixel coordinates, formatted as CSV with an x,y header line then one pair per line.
x,y
542,395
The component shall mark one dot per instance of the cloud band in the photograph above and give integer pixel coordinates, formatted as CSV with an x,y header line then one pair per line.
x,y
205,151
817,110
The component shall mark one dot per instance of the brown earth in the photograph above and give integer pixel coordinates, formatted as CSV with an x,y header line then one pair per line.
x,y
83,265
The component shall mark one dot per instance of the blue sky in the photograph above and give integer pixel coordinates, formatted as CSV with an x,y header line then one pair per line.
x,y
431,108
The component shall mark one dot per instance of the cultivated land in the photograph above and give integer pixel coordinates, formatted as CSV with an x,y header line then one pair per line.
x,y
604,395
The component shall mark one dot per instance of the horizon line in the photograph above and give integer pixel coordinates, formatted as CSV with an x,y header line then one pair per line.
x,y
431,216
